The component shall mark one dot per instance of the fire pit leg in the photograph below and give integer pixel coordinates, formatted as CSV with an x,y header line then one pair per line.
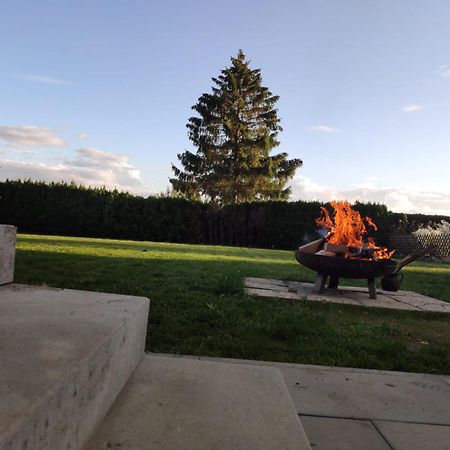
x,y
333,282
372,289
319,285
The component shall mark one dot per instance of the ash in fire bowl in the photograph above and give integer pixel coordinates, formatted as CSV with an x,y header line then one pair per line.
x,y
346,251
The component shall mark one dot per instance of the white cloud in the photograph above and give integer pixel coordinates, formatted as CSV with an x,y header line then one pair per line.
x,y
90,167
369,182
444,71
30,136
42,79
412,108
82,136
396,199
303,188
324,129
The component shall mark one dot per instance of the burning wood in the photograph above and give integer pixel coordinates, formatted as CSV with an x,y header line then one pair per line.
x,y
326,253
336,248
347,234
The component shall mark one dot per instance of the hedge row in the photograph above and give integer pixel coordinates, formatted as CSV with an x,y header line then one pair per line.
x,y
71,210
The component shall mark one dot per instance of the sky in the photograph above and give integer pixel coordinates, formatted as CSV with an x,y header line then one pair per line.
x,y
100,92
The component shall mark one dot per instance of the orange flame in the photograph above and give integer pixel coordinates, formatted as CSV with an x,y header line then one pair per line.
x,y
347,228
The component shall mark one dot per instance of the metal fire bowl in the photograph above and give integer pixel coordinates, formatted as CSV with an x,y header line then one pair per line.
x,y
345,267
342,267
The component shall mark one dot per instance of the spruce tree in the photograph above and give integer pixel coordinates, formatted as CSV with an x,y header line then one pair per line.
x,y
235,131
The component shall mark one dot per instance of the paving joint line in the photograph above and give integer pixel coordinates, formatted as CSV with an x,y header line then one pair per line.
x,y
414,422
302,366
382,435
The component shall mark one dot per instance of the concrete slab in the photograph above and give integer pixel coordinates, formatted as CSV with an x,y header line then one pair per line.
x,y
361,393
293,290
179,403
352,394
64,357
415,436
7,253
325,433
368,395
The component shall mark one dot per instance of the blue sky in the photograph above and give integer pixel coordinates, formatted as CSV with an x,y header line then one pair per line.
x,y
100,91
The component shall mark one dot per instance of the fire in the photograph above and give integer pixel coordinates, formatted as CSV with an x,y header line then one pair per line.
x,y
347,228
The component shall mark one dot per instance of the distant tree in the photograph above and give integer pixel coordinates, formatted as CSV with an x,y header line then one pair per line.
x,y
235,131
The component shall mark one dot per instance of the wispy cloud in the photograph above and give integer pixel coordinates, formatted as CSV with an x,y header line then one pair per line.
x,y
42,79
444,71
30,136
82,136
324,129
412,108
89,166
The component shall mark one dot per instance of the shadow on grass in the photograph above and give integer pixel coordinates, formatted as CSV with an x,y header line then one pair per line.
x,y
147,246
198,307
427,278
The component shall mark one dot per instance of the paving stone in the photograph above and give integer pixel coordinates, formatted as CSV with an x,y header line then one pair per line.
x,y
64,357
425,303
364,394
269,294
325,433
254,283
368,395
415,436
179,403
265,281
401,300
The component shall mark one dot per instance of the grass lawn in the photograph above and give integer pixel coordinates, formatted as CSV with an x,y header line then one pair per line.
x,y
198,306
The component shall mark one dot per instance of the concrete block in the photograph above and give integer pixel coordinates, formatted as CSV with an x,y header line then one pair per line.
x,y
326,433
7,253
178,403
64,357
415,436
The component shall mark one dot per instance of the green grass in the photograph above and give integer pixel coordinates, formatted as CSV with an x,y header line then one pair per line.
x,y
198,305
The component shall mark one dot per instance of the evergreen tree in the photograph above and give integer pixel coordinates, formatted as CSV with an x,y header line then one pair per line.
x,y
235,131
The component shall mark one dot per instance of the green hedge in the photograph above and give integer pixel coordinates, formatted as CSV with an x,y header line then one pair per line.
x,y
67,209
71,210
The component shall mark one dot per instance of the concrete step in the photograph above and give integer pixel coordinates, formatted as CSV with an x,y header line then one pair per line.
x,y
7,253
175,403
64,357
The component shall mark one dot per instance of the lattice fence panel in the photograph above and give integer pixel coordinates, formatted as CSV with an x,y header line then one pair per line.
x,y
440,241
406,243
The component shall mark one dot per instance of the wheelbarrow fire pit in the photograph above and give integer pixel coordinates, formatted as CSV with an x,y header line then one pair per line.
x,y
346,251
335,267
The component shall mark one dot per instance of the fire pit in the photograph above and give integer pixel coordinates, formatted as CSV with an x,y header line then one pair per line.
x,y
341,267
346,251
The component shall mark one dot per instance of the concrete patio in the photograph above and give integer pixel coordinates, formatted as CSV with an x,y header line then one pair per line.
x,y
358,409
